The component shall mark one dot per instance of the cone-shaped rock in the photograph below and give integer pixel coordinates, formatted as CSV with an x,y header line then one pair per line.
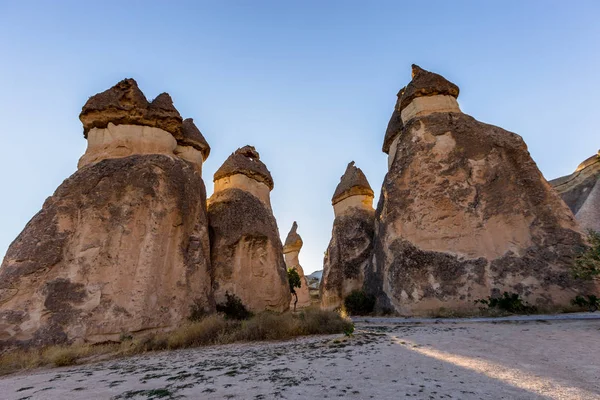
x,y
291,250
581,192
122,246
246,251
464,213
351,241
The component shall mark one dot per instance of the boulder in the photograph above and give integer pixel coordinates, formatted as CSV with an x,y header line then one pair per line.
x,y
121,247
246,252
351,242
291,251
464,213
581,192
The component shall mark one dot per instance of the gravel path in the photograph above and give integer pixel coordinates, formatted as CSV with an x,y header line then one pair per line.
x,y
486,360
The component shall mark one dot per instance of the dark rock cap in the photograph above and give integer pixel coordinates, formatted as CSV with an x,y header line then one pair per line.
x,y
245,160
353,182
191,136
394,126
293,242
425,83
125,103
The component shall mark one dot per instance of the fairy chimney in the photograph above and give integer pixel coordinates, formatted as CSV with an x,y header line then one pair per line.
x,y
291,251
123,244
464,213
351,238
246,251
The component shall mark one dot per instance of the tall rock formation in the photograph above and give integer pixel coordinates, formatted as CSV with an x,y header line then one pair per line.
x,y
122,245
464,212
581,192
351,238
291,250
246,252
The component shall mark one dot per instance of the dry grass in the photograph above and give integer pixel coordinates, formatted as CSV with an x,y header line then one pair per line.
x,y
211,330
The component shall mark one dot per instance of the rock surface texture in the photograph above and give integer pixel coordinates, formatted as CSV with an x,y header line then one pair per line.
x,y
246,252
464,212
581,192
122,246
291,251
351,241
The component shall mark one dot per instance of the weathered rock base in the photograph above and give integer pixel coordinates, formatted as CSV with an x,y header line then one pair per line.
x,y
121,247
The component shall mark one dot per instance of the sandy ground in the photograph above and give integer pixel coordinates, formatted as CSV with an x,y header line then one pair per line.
x,y
485,360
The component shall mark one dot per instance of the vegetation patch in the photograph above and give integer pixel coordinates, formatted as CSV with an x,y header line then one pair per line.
x,y
587,262
509,302
589,302
233,308
210,330
359,303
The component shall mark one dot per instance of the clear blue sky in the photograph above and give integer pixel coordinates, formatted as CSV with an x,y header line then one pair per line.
x,y
311,84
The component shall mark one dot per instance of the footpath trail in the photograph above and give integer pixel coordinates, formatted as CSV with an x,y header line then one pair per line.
x,y
554,357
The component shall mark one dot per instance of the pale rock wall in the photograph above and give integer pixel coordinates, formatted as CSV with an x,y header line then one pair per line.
x,y
421,106
581,192
292,261
190,154
117,141
243,182
362,201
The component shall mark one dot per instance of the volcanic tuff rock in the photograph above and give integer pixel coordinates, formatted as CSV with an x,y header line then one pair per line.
x,y
351,241
581,192
246,252
464,213
121,247
291,250
120,122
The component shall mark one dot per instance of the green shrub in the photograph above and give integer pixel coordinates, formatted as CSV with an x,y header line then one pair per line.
x,y
233,308
587,262
590,302
359,303
510,302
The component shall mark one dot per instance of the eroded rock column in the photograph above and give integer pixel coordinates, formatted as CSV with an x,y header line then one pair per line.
x,y
246,252
351,239
464,212
122,246
291,251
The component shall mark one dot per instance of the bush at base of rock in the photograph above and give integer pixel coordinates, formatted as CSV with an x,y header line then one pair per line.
x,y
589,302
233,308
509,302
359,303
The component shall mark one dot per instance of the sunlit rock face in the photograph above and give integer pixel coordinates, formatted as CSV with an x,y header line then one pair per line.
x,y
122,246
464,212
291,251
351,239
581,192
246,252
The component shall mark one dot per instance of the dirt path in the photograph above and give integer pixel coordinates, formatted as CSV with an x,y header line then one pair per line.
x,y
507,360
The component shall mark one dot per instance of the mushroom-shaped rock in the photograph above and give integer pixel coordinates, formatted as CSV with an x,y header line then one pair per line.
x,y
293,242
121,246
120,122
352,191
464,213
351,241
425,84
247,254
244,170
245,161
291,251
581,192
125,104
